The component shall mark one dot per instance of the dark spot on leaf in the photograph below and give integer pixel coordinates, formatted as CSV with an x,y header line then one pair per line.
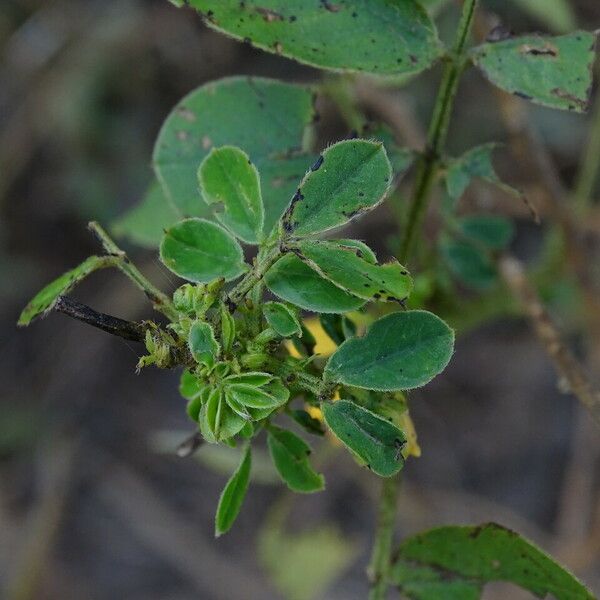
x,y
318,163
547,50
293,18
522,95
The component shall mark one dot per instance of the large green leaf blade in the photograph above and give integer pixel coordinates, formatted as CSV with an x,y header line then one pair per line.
x,y
267,119
290,456
400,351
201,251
377,442
374,36
347,268
483,554
228,177
233,495
144,224
349,178
45,300
294,281
552,71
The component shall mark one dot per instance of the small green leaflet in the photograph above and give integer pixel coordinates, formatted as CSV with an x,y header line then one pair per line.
x,y
201,251
346,268
551,71
400,351
374,440
202,343
45,300
293,281
349,178
492,231
267,119
476,163
282,319
470,264
373,36
228,177
233,495
290,456
227,329
216,419
448,559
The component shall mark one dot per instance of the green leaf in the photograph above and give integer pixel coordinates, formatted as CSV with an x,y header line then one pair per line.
x,y
476,163
470,264
282,319
267,119
400,351
424,583
474,556
227,329
290,456
233,495
307,422
346,268
293,281
250,378
202,343
492,231
269,396
551,71
361,248
349,178
228,177
373,36
558,15
375,441
217,421
145,223
201,251
189,385
44,301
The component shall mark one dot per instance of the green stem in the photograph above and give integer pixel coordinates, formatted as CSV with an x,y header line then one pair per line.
x,y
254,277
161,301
381,556
590,166
438,131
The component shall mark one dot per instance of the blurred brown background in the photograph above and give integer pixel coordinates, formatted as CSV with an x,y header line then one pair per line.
x,y
93,501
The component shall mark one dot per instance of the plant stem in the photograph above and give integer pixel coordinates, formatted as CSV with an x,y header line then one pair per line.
x,y
254,277
161,301
438,130
382,548
590,166
425,178
128,330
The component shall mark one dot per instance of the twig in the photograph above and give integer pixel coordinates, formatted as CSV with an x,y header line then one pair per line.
x,y
384,534
128,330
427,168
161,301
566,364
